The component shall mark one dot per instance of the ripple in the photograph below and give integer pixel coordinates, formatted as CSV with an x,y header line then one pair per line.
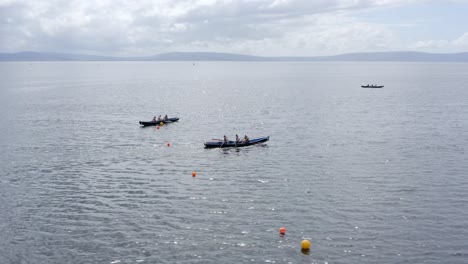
x,y
364,176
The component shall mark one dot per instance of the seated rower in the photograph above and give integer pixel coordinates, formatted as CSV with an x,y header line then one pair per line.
x,y
165,118
225,139
237,138
246,139
159,118
154,118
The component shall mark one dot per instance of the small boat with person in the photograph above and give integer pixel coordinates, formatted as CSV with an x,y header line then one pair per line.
x,y
219,143
372,86
156,122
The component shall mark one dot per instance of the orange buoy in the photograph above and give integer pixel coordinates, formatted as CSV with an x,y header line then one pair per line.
x,y
194,173
282,231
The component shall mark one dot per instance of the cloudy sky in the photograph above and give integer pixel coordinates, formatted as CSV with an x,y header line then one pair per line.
x,y
256,27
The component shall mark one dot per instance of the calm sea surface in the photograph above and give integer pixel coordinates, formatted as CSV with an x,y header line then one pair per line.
x,y
368,175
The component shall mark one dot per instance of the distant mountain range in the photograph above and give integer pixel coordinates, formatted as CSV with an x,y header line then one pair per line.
x,y
408,56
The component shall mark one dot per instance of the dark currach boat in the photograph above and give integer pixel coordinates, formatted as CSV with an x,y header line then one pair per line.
x,y
228,144
372,86
155,123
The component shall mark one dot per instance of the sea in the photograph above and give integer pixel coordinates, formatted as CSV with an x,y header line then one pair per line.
x,y
366,175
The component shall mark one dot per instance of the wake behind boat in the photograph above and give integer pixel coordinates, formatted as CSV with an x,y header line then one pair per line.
x,y
372,86
157,122
228,144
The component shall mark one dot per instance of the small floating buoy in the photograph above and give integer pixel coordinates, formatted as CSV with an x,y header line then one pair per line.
x,y
282,231
161,123
168,144
157,127
194,173
305,245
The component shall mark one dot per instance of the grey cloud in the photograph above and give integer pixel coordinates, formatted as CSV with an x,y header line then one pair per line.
x,y
147,27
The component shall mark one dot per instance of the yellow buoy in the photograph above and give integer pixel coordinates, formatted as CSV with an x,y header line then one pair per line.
x,y
161,123
305,245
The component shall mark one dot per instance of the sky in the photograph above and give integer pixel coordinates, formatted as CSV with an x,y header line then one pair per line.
x,y
254,27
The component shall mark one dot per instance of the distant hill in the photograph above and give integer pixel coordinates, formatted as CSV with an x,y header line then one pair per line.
x,y
172,56
399,56
51,56
203,56
408,56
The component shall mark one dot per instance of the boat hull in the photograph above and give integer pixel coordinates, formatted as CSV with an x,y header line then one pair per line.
x,y
373,86
155,123
231,144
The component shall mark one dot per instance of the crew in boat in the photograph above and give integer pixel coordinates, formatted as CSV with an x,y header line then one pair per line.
x,y
225,139
237,138
165,118
154,118
159,118
246,139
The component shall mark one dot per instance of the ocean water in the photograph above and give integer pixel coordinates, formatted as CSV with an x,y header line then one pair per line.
x,y
367,175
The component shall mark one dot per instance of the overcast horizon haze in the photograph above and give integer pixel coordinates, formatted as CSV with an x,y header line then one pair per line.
x,y
258,27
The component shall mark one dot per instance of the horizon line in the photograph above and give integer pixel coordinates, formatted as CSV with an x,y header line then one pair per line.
x,y
407,56
233,53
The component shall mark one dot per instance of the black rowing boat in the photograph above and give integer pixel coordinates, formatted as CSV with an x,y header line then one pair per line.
x,y
228,144
372,86
155,123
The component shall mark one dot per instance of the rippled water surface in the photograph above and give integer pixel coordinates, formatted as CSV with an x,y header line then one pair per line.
x,y
368,175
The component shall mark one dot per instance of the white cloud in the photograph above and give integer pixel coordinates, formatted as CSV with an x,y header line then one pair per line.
x,y
430,44
264,27
279,3
462,42
327,35
455,45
